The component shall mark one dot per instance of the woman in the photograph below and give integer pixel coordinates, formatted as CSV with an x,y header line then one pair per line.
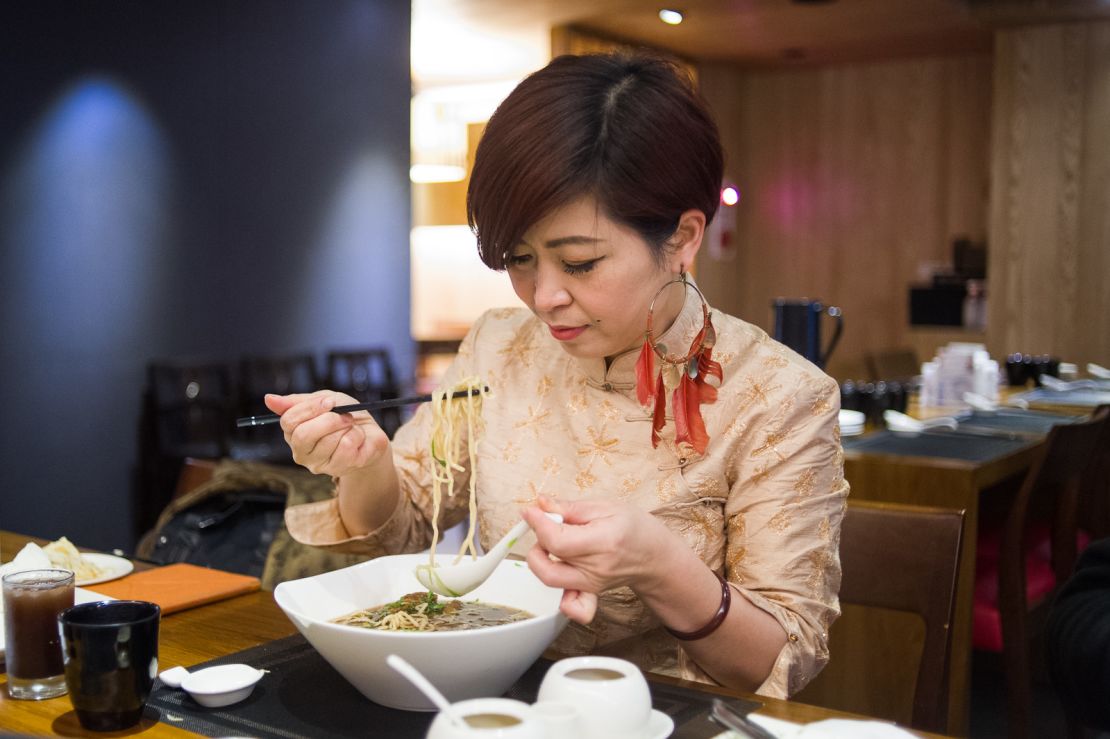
x,y
696,462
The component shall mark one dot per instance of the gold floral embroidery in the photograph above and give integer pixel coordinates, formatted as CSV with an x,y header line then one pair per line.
x,y
519,349
599,447
803,486
543,387
836,433
758,390
771,442
585,479
775,362
628,486
418,458
762,472
780,521
608,411
510,452
822,404
577,402
536,416
818,562
550,464
736,560
725,358
709,487
824,529
503,313
737,527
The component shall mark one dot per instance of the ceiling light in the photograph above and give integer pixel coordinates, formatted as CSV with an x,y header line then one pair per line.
x,y
670,17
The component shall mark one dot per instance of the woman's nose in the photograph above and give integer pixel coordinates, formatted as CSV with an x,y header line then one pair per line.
x,y
550,293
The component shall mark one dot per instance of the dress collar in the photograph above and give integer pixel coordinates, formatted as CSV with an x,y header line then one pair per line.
x,y
621,374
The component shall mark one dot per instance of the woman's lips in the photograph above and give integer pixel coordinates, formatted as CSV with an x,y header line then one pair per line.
x,y
566,333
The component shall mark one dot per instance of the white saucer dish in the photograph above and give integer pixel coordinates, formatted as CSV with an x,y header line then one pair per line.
x,y
222,685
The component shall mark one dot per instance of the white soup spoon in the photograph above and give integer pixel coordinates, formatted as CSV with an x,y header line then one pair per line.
x,y
459,579
424,685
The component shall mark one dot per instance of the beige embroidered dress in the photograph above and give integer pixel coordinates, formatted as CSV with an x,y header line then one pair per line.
x,y
763,506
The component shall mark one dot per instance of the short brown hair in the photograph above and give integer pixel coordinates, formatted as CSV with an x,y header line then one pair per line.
x,y
628,129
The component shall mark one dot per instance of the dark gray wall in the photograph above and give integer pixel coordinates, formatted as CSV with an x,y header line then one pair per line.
x,y
197,179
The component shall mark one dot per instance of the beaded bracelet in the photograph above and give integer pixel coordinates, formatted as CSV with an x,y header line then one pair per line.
x,y
717,620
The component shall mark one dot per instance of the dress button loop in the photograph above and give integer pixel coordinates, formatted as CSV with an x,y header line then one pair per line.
x,y
607,387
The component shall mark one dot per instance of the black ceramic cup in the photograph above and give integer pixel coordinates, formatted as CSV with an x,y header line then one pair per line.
x,y
110,651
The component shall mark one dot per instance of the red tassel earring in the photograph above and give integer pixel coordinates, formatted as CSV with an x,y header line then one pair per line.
x,y
683,376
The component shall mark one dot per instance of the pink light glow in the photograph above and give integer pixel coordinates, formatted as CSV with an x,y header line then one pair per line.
x,y
730,196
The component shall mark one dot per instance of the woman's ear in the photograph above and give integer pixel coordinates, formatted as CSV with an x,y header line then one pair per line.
x,y
687,239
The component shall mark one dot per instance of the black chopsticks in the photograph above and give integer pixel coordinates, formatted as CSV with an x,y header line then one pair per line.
x,y
269,418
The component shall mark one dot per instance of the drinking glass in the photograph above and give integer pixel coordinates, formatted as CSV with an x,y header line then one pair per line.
x,y
32,601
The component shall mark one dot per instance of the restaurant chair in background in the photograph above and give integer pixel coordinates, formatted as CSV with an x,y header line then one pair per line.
x,y
903,558
366,375
188,412
295,373
898,363
1028,545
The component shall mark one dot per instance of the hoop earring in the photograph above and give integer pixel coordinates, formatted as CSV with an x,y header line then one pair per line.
x,y
682,376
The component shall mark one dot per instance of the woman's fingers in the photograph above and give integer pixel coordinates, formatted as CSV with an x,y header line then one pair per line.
x,y
579,606
556,573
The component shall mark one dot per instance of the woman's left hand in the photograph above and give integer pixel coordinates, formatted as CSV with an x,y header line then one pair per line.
x,y
601,545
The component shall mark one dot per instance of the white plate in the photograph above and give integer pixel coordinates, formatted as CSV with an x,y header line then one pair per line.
x,y
111,567
660,725
79,596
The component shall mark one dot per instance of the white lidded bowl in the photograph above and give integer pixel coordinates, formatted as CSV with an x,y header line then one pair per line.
x,y
471,663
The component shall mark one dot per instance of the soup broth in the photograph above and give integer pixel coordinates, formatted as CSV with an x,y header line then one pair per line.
x,y
426,612
491,720
595,673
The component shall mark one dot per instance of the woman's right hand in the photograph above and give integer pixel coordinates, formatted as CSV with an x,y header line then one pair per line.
x,y
327,443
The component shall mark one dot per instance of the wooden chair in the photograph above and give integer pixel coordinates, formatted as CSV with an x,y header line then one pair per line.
x,y
1050,493
367,375
187,412
902,558
295,373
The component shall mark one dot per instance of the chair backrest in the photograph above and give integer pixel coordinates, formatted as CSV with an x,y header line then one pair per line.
x,y
191,406
1054,485
366,375
295,373
906,558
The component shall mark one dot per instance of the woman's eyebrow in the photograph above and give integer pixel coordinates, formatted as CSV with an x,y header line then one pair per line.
x,y
568,240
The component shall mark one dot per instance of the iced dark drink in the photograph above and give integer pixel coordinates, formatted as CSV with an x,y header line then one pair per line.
x,y
32,602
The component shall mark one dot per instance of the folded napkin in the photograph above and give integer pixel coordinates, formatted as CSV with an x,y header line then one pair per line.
x,y
179,586
30,557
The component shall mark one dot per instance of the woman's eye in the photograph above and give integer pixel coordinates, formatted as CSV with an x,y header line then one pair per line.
x,y
518,260
579,268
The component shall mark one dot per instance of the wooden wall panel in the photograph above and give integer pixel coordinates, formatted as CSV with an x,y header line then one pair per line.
x,y
852,178
1050,211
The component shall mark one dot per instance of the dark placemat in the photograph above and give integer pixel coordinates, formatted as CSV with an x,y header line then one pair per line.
x,y
303,696
1022,422
945,445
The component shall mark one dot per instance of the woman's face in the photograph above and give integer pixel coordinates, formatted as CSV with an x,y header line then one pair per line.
x,y
591,280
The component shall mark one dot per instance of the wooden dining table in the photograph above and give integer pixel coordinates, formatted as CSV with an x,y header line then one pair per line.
x,y
200,634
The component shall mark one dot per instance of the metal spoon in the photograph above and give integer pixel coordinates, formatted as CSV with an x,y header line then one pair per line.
x,y
461,578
